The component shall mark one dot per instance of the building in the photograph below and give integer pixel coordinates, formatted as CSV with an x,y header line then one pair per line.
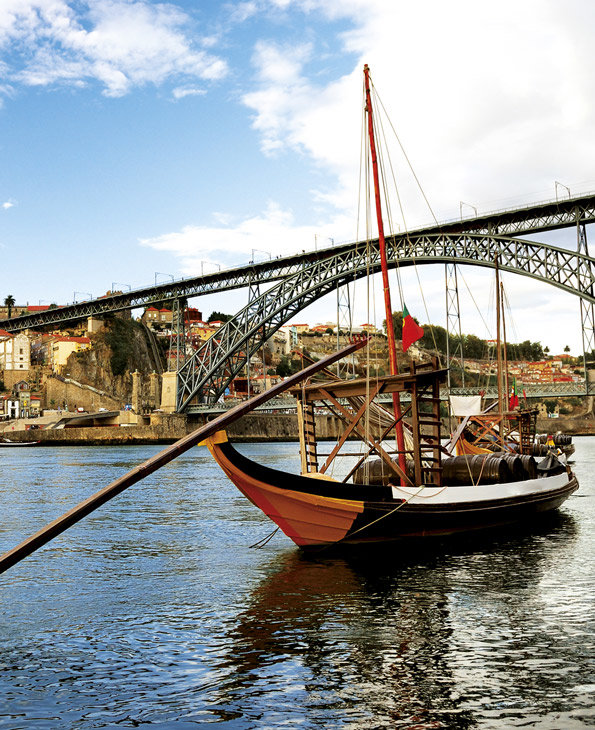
x,y
61,347
157,319
15,351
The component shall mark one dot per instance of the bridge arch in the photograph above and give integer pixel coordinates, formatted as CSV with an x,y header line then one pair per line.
x,y
209,371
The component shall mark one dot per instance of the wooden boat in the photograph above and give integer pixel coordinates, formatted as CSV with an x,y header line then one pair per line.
x,y
440,496
414,490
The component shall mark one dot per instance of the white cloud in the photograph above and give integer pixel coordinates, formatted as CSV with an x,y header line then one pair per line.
x,y
8,204
492,104
269,234
487,101
182,93
119,43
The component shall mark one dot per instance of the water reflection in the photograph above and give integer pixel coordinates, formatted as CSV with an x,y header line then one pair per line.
x,y
154,613
369,637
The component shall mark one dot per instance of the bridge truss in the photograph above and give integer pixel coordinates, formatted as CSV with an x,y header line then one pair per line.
x,y
303,278
531,219
206,375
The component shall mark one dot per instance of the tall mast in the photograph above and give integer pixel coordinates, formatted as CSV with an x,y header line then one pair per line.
x,y
390,331
499,349
506,385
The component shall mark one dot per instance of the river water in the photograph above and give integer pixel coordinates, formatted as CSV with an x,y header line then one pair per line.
x,y
155,612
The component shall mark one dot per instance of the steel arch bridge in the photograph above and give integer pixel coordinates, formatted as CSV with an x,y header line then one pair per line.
x,y
206,375
530,219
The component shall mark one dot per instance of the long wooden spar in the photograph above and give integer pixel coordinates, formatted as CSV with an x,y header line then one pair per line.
x,y
90,504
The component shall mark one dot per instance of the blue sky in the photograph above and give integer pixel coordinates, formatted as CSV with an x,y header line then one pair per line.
x,y
143,137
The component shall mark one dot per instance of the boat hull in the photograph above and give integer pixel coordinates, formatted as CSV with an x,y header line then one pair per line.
x,y
314,512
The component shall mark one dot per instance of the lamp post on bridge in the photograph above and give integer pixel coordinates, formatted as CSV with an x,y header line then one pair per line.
x,y
119,283
213,263
159,273
559,184
461,204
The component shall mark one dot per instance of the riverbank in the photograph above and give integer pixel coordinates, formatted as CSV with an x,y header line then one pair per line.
x,y
252,428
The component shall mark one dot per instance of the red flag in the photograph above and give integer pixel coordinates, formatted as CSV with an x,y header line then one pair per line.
x,y
412,332
513,401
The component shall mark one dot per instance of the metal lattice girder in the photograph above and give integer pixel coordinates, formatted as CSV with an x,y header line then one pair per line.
x,y
513,222
453,320
218,361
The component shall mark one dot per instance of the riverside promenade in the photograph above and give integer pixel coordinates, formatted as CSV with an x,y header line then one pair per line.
x,y
252,428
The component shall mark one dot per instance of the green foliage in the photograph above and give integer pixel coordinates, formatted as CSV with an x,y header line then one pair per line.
x,y
9,302
120,340
288,366
219,317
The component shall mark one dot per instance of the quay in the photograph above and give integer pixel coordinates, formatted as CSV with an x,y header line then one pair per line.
x,y
114,428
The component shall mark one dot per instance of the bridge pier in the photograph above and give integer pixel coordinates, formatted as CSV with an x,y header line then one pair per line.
x,y
169,391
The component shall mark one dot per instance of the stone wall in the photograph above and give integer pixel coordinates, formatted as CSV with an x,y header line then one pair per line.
x,y
11,377
75,396
255,427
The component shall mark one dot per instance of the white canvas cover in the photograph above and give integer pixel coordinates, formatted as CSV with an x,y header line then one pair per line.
x,y
465,405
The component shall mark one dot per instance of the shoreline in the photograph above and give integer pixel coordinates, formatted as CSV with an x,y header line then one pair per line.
x,y
252,428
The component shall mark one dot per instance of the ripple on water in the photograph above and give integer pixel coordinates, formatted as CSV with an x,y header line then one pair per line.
x,y
154,612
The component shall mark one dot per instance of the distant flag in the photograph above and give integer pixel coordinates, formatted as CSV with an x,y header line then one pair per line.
x,y
513,401
412,332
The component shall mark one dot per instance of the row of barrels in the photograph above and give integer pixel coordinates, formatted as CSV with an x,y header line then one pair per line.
x,y
488,468
460,470
560,439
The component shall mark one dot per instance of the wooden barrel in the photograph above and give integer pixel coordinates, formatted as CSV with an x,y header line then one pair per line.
x,y
529,466
374,472
475,469
517,472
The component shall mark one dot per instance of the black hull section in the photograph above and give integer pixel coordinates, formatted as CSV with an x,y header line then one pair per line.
x,y
316,513
379,524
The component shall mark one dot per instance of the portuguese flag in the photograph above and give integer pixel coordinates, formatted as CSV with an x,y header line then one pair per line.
x,y
412,332
513,401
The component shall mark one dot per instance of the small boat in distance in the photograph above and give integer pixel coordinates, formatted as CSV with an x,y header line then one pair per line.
x,y
6,442
414,489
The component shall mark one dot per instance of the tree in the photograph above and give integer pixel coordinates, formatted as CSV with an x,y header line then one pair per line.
x,y
546,351
567,349
288,366
397,325
9,302
219,317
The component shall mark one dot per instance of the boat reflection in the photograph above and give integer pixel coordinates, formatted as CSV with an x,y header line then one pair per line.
x,y
368,636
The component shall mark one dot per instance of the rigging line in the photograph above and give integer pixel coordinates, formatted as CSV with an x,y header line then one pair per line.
x,y
382,138
485,324
408,162
382,156
374,522
510,318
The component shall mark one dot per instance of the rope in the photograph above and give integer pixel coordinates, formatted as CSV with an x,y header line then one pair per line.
x,y
374,522
261,543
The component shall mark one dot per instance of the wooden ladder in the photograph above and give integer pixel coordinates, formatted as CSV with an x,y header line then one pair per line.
x,y
527,424
426,426
307,431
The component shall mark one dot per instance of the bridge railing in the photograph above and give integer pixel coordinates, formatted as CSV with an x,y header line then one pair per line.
x,y
542,390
